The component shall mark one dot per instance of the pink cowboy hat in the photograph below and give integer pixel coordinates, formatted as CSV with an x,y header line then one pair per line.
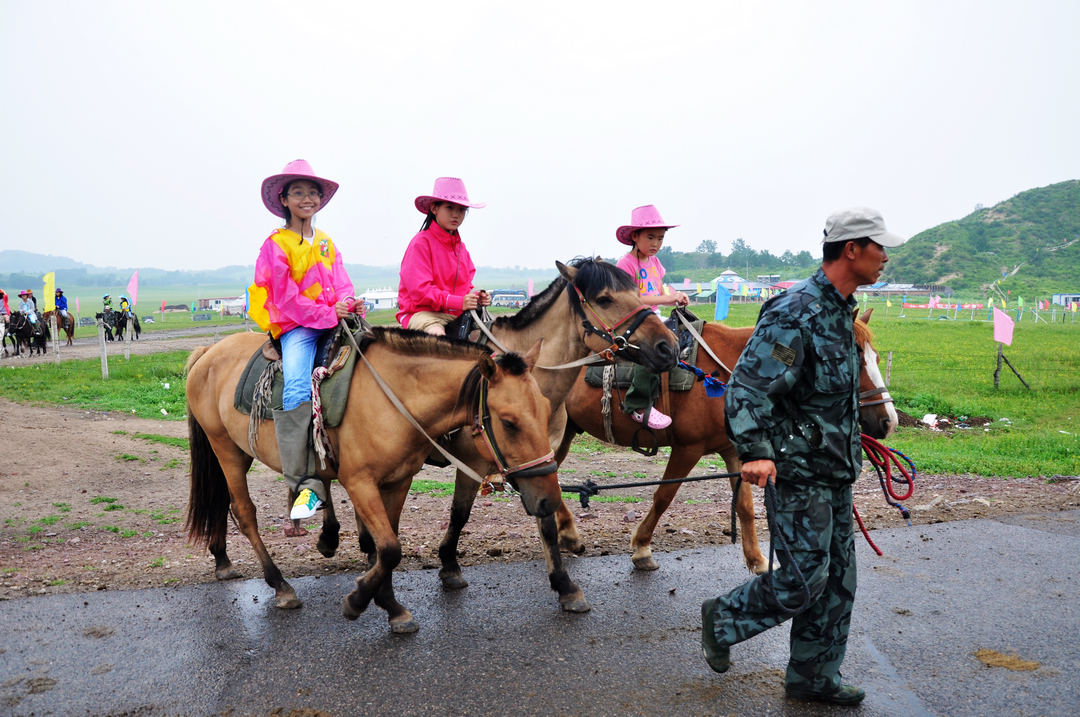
x,y
296,169
646,217
447,189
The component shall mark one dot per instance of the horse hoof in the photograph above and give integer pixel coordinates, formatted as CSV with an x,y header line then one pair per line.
x,y
229,573
575,603
572,545
759,568
288,602
453,581
645,563
405,627
327,551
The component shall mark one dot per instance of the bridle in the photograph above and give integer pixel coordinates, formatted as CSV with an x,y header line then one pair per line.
x,y
482,426
617,342
884,392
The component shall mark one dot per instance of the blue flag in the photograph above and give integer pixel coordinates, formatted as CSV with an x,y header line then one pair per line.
x,y
723,303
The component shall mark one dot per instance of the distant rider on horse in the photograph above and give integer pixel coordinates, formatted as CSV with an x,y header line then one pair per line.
x,y
61,303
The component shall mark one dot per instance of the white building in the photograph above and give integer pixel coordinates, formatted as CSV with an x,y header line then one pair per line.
x,y
381,298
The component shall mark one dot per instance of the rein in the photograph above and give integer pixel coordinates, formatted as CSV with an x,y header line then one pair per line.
x,y
869,393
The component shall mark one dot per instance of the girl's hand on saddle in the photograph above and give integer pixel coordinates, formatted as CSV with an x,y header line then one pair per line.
x,y
759,472
483,298
681,299
344,307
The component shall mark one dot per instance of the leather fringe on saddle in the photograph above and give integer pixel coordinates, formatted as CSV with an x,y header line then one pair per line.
x,y
260,402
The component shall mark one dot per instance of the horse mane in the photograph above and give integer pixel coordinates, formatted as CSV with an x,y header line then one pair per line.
x,y
418,343
593,276
863,334
511,363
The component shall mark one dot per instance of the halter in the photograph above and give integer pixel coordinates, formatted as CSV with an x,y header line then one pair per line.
x,y
541,466
620,342
874,392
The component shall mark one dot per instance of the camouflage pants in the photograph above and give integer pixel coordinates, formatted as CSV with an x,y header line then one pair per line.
x,y
817,524
643,390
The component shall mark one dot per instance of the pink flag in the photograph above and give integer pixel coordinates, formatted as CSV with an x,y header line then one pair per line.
x,y
686,282
1003,327
163,304
530,288
76,304
133,288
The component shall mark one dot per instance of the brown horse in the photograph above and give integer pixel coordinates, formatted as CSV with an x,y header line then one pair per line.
x,y
592,306
698,429
65,324
444,385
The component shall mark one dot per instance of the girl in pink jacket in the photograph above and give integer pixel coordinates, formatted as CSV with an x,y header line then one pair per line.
x,y
301,289
437,272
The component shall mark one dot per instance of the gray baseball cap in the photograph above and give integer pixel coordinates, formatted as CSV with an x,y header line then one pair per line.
x,y
859,222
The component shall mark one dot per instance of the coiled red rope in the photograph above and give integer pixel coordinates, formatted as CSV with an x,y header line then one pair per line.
x,y
883,459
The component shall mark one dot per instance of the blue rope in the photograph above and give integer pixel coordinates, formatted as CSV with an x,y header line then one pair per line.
x,y
714,387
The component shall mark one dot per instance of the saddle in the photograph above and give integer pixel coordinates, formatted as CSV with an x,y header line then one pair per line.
x,y
679,380
264,367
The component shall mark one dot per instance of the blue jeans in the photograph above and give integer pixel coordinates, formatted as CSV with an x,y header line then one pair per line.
x,y
297,359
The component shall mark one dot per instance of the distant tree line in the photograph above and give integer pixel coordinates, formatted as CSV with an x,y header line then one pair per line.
x,y
705,263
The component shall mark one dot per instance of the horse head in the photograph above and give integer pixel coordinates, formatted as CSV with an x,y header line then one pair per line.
x,y
511,428
613,315
877,416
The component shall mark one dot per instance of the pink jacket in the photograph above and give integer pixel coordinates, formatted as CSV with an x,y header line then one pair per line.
x,y
297,283
436,273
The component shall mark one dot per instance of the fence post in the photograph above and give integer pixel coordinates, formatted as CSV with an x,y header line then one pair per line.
x,y
104,353
56,336
888,368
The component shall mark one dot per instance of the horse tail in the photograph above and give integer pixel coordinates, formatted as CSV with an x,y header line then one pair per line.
x,y
195,356
208,504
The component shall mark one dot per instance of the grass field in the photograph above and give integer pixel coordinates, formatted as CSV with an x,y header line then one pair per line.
x,y
938,366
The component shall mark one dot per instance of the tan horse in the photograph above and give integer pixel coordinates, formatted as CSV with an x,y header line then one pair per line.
x,y
65,324
592,306
698,429
443,384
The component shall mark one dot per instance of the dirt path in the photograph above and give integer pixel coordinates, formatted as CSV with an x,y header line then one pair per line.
x,y
88,504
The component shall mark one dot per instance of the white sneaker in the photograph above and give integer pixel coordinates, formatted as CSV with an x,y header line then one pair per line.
x,y
305,505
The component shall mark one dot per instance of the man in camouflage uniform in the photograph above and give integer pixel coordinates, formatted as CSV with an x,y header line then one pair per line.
x,y
792,412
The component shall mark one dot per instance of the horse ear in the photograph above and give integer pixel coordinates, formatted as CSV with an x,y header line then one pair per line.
x,y
568,272
865,316
533,355
855,314
487,367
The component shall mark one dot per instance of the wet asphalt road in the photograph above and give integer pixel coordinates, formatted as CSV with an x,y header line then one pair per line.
x,y
502,646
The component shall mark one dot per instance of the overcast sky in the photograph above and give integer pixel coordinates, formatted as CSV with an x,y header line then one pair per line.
x,y
137,134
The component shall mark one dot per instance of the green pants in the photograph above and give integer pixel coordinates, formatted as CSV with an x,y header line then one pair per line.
x,y
817,524
643,390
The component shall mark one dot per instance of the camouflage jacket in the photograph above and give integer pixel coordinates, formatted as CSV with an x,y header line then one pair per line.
x,y
793,395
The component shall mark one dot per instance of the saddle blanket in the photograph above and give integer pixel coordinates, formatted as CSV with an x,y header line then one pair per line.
x,y
334,390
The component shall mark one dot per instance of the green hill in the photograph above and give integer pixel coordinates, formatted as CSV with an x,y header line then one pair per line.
x,y
1028,245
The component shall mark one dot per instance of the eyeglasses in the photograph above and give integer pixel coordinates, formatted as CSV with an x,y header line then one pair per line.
x,y
310,194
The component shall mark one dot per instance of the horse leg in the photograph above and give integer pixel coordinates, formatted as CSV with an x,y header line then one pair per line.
x,y
571,597
329,536
235,464
465,490
364,539
682,461
401,620
744,509
369,506
569,538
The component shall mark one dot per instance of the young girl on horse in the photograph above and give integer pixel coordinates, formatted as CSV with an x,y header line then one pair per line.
x,y
437,271
301,289
645,233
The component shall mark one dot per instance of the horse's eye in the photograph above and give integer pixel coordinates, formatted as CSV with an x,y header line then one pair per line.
x,y
603,301
508,425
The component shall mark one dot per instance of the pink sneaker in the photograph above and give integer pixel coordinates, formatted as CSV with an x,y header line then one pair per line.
x,y
657,420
